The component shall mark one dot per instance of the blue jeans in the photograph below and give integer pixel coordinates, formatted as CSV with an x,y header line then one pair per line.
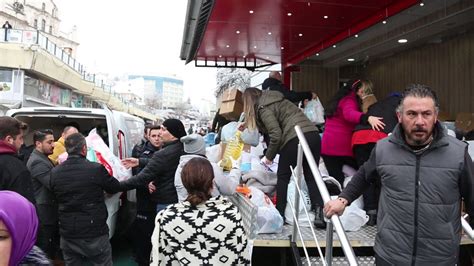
x,y
160,207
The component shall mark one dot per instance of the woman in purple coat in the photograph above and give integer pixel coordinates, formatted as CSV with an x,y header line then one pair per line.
x,y
342,115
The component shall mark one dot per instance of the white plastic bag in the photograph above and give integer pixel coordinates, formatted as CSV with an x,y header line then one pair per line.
x,y
304,199
250,137
314,110
269,219
105,157
353,218
213,152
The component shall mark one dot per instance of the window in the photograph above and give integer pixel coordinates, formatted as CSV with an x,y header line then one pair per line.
x,y
43,6
35,24
50,29
43,25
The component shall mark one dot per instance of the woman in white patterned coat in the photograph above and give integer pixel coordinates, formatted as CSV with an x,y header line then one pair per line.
x,y
202,230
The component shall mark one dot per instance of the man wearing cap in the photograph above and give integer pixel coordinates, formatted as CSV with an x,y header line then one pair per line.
x,y
162,166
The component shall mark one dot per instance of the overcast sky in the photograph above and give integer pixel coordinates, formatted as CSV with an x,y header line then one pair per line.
x,y
137,36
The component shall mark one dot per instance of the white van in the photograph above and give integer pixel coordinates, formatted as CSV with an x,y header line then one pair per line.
x,y
120,131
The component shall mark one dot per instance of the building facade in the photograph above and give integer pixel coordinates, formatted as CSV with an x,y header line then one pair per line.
x,y
41,15
160,91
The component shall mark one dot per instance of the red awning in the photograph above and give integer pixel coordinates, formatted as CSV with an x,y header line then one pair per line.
x,y
277,31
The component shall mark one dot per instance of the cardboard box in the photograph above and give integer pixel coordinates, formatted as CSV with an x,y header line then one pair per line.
x,y
231,106
465,122
232,95
231,110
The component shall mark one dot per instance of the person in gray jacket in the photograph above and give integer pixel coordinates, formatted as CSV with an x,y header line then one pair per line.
x,y
195,146
40,168
424,175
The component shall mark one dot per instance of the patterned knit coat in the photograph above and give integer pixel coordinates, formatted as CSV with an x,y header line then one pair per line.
x,y
211,233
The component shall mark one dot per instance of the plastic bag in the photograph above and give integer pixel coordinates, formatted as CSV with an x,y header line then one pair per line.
x,y
314,110
250,137
304,199
105,157
269,219
213,153
353,218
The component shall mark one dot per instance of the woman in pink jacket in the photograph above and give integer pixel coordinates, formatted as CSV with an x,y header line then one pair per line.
x,y
342,115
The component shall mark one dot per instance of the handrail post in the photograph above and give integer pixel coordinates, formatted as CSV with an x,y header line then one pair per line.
x,y
346,247
299,174
329,243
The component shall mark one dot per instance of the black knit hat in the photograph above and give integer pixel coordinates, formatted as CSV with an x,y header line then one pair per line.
x,y
175,127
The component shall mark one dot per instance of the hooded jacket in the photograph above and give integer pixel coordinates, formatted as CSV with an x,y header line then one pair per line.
x,y
223,185
14,175
419,209
278,117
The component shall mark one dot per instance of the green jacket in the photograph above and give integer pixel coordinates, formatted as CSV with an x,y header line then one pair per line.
x,y
278,117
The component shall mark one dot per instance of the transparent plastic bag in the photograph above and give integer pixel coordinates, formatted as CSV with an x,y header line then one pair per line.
x,y
314,111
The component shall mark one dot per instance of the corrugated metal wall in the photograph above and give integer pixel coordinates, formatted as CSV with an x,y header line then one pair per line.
x,y
447,67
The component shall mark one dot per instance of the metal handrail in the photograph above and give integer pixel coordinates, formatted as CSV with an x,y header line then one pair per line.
x,y
296,228
346,247
466,227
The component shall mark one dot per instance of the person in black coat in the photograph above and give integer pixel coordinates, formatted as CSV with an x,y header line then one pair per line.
x,y
273,83
161,167
40,168
14,175
364,139
78,186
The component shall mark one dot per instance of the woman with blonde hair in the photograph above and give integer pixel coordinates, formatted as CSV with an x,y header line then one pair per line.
x,y
366,95
272,114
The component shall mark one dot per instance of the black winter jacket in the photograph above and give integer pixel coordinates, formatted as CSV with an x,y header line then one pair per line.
x,y
144,201
160,169
14,175
79,185
293,96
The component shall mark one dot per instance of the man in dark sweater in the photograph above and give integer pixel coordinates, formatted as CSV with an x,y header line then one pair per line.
x,y
14,175
79,185
424,175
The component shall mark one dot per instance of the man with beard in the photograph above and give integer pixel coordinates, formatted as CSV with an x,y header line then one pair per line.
x,y
40,168
424,174
14,175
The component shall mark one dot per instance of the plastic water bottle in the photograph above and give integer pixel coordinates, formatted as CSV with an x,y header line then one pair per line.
x,y
233,150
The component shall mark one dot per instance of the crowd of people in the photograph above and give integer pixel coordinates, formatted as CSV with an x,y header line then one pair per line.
x,y
412,174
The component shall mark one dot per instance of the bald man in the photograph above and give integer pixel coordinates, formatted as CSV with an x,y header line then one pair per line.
x,y
59,145
273,82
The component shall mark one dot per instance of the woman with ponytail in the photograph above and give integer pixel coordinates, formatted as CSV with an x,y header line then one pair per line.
x,y
183,229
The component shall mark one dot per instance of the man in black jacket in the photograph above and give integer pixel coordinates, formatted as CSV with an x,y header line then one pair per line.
x,y
46,207
273,83
162,166
79,185
14,175
146,208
